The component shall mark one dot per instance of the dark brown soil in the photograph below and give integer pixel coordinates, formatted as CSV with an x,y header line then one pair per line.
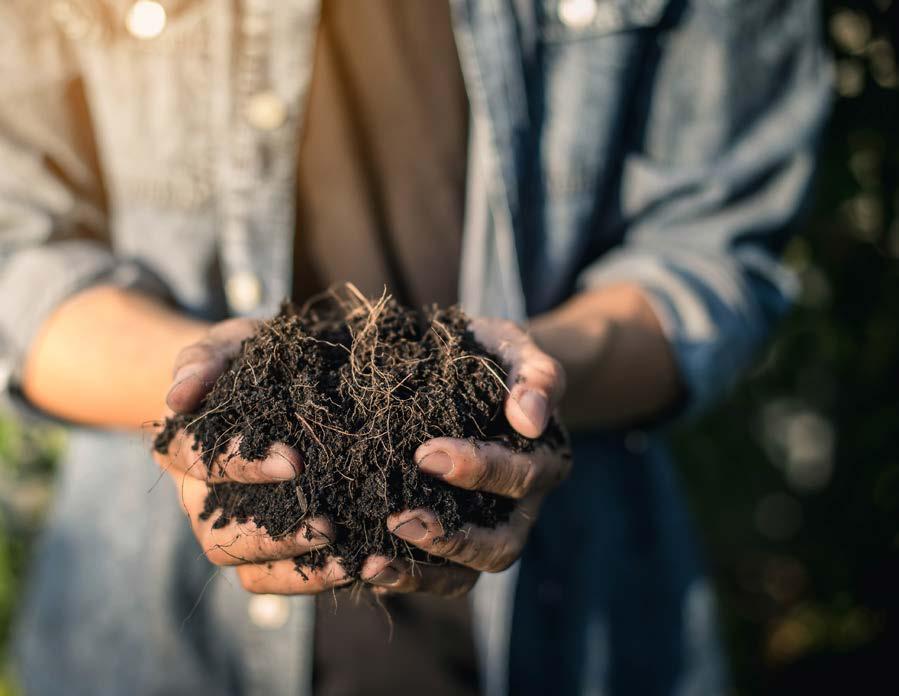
x,y
355,386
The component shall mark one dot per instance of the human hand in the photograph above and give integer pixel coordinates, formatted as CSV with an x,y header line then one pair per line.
x,y
263,564
536,383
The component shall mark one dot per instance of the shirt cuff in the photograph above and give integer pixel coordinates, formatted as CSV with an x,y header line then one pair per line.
x,y
715,310
36,280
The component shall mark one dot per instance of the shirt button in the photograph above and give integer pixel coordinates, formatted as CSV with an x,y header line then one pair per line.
x,y
146,19
577,14
244,291
268,611
266,111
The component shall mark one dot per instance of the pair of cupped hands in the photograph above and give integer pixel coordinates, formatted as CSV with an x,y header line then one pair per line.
x,y
535,381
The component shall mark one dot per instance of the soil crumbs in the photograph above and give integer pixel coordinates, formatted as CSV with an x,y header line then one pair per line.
x,y
355,386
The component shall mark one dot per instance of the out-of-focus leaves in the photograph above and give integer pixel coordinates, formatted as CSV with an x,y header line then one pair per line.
x,y
27,460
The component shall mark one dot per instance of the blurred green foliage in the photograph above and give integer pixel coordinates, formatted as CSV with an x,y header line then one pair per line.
x,y
794,481
27,459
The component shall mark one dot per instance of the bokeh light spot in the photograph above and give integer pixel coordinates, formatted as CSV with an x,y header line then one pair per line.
x,y
146,19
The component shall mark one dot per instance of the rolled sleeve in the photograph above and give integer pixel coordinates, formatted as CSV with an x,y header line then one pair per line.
x,y
717,177
36,280
714,315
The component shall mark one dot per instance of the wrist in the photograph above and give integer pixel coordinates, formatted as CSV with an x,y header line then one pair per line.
x,y
578,340
104,357
619,364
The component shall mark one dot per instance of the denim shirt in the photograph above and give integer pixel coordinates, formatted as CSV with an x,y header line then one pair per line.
x,y
668,143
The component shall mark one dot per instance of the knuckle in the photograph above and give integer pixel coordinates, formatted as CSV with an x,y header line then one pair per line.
x,y
502,563
542,365
503,474
249,581
236,469
481,475
554,370
459,547
470,466
195,353
508,340
503,556
474,554
264,547
527,478
540,361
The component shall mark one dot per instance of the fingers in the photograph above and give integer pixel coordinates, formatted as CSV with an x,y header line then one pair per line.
x,y
491,467
403,576
238,543
282,463
198,365
536,381
282,577
489,550
201,365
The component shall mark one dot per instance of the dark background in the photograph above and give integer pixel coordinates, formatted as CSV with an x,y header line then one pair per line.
x,y
794,481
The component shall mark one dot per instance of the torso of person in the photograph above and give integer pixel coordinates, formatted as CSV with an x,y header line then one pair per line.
x,y
380,203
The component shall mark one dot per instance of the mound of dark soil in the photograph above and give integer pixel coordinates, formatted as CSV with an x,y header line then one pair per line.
x,y
355,386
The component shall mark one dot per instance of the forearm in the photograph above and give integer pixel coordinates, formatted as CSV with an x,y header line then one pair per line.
x,y
105,356
620,367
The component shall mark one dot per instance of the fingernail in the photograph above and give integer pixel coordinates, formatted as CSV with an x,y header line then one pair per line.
x,y
438,463
411,530
278,469
388,576
534,407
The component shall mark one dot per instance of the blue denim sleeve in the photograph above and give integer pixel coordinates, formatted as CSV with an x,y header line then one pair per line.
x,y
736,100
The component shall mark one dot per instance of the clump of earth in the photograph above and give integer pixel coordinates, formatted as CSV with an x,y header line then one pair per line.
x,y
355,386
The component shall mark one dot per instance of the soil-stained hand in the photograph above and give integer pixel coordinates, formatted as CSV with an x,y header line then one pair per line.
x,y
264,565
536,382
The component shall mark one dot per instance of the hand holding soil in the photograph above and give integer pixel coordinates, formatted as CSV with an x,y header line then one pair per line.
x,y
536,383
197,368
358,440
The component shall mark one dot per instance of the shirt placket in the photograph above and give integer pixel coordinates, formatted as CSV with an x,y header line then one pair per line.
x,y
259,172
